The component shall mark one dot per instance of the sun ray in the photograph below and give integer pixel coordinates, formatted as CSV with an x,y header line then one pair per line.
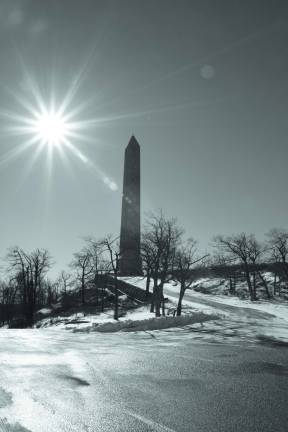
x,y
65,160
31,84
76,151
32,161
23,101
76,83
16,152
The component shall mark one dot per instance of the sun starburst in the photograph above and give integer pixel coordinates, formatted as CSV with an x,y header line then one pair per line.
x,y
48,122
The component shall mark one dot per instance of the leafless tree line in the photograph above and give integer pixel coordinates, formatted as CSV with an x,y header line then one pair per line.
x,y
242,255
167,255
96,265
26,286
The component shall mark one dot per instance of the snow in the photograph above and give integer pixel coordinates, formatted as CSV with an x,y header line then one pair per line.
x,y
44,311
278,308
84,320
150,323
213,316
263,320
139,319
52,379
273,307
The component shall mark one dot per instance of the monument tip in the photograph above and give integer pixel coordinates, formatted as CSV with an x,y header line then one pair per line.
x,y
133,141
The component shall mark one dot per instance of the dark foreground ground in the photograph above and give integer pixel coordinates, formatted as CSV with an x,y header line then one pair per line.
x,y
54,380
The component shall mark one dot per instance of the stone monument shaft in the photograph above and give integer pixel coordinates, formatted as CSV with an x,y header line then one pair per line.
x,y
130,260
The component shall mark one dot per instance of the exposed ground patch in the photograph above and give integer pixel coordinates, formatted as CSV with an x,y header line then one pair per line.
x,y
8,427
272,341
5,398
75,380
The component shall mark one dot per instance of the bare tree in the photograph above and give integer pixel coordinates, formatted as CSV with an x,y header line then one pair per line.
x,y
98,264
65,280
147,255
160,240
256,251
239,248
82,265
29,270
222,266
278,247
8,293
111,247
185,258
51,288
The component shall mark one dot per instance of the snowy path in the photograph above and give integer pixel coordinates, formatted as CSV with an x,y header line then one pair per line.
x,y
57,381
204,299
239,320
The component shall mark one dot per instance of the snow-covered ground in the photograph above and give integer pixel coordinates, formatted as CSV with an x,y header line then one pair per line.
x,y
86,321
140,319
89,380
163,381
278,308
214,317
261,320
53,380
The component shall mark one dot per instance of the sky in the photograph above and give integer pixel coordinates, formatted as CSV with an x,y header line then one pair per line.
x,y
201,84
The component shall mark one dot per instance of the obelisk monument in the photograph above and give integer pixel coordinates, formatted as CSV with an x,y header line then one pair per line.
x,y
130,260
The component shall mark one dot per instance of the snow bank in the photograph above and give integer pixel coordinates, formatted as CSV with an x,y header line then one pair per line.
x,y
149,324
44,311
80,319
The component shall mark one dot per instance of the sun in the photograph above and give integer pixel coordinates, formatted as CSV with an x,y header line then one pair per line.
x,y
51,128
52,124
48,120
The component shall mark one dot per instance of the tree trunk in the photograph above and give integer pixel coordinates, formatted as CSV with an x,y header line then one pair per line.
x,y
116,297
157,308
248,280
181,295
24,292
254,284
231,286
163,307
153,300
162,298
96,283
104,284
157,301
147,284
83,290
